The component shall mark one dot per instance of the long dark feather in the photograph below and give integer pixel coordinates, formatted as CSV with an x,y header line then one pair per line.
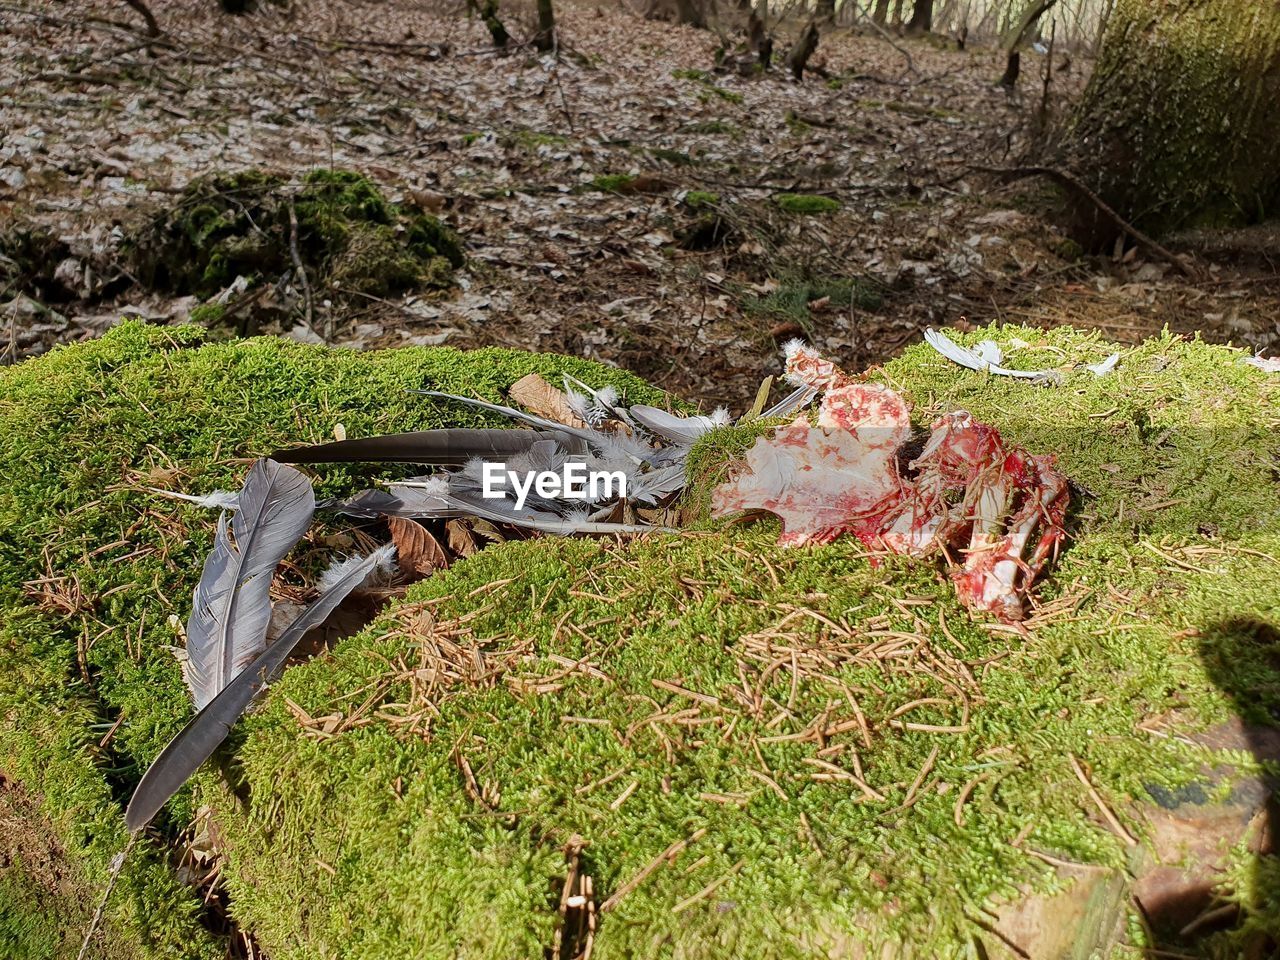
x,y
450,447
196,741
593,437
232,605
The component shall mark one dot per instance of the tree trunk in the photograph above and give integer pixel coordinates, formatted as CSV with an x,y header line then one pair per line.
x,y
487,11
759,41
1012,68
897,12
805,44
921,19
825,9
1180,123
690,12
881,12
1030,17
545,39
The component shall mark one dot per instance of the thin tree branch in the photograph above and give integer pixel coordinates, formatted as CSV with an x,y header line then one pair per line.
x,y
1073,183
153,28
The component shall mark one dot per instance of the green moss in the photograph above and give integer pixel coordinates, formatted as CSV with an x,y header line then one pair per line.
x,y
795,125
555,668
613,182
807,204
1067,249
700,76
1177,126
208,314
700,199
727,95
676,157
383,803
533,139
791,299
348,237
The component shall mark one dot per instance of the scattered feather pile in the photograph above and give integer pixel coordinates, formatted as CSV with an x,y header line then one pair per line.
x,y
228,659
968,493
578,425
987,357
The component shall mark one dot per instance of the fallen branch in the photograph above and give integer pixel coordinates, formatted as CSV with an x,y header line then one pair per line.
x,y
153,28
1074,184
301,271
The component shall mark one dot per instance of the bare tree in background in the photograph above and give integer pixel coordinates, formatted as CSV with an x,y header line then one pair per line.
x,y
545,38
803,49
487,11
690,12
759,40
921,18
1014,37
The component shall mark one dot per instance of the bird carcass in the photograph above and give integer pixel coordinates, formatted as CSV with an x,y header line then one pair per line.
x,y
992,509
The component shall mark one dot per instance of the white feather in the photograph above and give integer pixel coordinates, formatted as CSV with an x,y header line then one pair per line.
x,y
976,360
1104,367
436,485
384,564
1265,364
218,500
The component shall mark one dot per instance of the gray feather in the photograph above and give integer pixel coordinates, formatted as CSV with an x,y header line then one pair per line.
x,y
653,486
196,741
669,426
796,400
448,447
232,605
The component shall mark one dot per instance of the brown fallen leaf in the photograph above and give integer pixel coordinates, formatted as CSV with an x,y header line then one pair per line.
x,y
537,396
487,531
418,552
461,542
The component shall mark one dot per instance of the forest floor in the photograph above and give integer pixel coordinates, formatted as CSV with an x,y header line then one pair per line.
x,y
104,129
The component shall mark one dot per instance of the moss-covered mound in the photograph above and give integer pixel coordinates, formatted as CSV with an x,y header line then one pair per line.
x,y
829,753
92,568
349,238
